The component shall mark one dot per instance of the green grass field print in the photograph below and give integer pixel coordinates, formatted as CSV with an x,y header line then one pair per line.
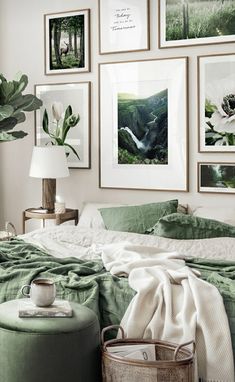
x,y
194,19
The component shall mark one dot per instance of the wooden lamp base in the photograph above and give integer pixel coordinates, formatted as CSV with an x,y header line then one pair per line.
x,y
48,194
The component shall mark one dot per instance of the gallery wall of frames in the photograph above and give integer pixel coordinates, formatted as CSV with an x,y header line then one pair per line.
x,y
143,103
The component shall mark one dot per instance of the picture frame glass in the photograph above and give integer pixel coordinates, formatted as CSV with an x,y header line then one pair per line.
x,y
195,22
67,42
56,99
216,177
123,26
143,131
217,103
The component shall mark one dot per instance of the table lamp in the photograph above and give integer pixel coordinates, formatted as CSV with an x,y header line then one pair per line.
x,y
48,163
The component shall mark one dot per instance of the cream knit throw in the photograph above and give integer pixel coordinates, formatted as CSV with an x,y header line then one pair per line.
x,y
173,304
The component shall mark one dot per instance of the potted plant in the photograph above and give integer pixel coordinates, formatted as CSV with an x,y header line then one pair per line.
x,y
13,105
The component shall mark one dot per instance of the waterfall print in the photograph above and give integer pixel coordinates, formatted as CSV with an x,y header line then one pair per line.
x,y
143,124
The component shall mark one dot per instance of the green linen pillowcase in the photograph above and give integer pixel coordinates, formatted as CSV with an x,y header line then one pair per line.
x,y
180,226
136,219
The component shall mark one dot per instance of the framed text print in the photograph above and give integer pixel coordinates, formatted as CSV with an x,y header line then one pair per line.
x,y
67,42
64,119
195,22
143,124
216,177
123,25
216,98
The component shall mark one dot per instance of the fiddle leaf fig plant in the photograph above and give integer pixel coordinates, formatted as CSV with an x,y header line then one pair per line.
x,y
13,105
61,125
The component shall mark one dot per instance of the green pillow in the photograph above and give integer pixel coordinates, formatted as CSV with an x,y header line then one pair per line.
x,y
136,218
180,226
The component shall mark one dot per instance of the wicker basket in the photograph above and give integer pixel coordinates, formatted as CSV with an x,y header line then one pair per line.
x,y
9,232
174,363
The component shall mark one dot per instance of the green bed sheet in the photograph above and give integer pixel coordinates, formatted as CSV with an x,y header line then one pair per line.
x,y
88,283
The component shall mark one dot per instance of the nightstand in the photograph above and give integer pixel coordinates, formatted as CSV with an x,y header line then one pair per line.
x,y
34,213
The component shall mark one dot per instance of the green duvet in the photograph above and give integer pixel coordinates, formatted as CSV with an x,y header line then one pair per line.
x,y
88,283
85,282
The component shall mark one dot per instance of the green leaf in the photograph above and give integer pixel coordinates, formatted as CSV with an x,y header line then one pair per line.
x,y
5,111
59,141
45,122
20,117
8,124
6,90
19,86
12,136
230,138
34,104
73,149
209,108
18,134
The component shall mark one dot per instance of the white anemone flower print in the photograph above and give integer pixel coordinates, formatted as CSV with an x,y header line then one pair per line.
x,y
220,105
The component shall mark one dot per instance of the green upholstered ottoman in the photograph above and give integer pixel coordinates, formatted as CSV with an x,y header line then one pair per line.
x,y
49,349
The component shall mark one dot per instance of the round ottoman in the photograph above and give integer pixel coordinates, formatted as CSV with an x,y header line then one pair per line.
x,y
49,349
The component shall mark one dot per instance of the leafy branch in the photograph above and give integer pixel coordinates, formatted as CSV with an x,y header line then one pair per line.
x,y
13,104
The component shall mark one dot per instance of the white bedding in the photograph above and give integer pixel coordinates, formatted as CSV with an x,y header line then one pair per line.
x,y
64,241
173,304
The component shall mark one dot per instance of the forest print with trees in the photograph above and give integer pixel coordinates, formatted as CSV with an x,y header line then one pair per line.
x,y
67,42
218,176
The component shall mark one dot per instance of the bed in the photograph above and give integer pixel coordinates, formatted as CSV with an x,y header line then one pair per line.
x,y
72,257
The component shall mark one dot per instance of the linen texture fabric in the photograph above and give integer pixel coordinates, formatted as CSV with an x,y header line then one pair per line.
x,y
180,226
138,218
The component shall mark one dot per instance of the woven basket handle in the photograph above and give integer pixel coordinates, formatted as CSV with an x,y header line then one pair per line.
x,y
182,346
9,227
110,328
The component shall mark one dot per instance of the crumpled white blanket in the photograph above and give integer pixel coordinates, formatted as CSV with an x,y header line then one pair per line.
x,y
173,304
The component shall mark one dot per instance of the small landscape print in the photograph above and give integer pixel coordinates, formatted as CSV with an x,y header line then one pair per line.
x,y
217,177
66,42
143,124
192,20
217,103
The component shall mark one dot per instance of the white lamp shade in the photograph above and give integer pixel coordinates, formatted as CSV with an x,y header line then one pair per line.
x,y
49,162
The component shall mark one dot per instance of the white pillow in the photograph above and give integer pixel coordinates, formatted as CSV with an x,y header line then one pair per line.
x,y
222,214
91,217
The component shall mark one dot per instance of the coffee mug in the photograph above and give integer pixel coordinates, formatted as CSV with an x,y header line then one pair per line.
x,y
41,291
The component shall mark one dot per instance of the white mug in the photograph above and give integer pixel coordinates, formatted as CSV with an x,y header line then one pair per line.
x,y
41,291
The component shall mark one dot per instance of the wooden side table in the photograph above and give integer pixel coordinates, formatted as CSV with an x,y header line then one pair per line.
x,y
33,213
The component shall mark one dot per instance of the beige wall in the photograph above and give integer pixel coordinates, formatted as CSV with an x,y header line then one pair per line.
x,y
21,48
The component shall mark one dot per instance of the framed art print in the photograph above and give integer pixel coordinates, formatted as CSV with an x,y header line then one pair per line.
x,y
63,104
67,42
216,177
216,98
195,22
123,26
143,124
